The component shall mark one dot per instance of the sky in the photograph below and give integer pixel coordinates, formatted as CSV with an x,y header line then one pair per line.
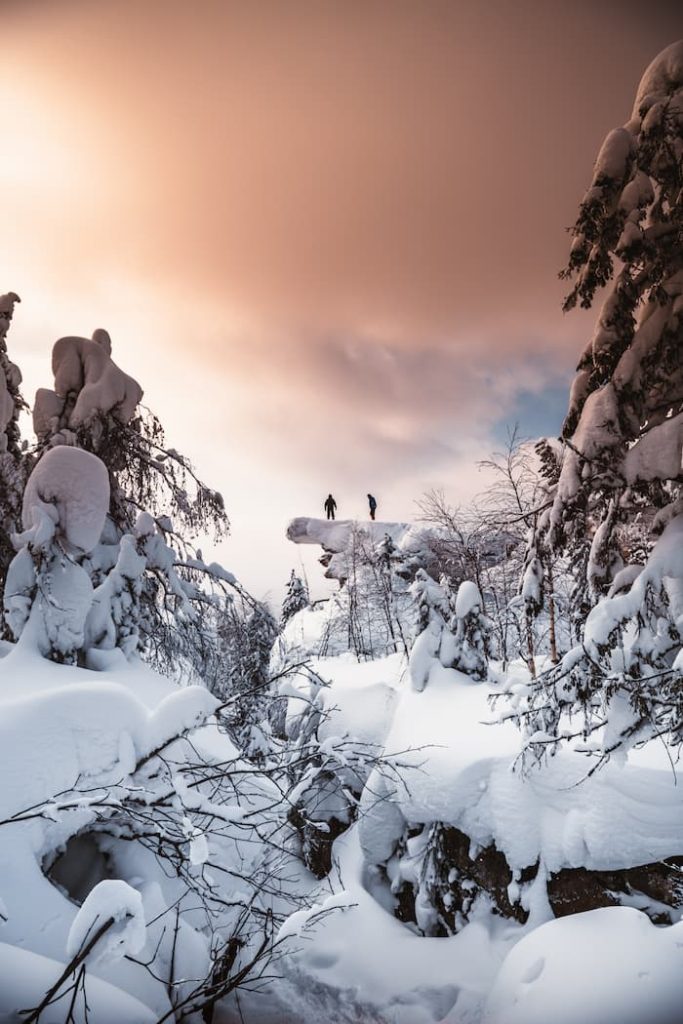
x,y
324,236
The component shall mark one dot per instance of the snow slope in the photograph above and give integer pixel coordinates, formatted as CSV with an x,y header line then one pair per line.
x,y
25,977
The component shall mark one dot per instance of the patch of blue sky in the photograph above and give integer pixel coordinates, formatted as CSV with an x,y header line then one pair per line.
x,y
537,413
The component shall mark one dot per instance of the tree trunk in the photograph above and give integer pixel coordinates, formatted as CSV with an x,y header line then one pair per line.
x,y
551,615
530,644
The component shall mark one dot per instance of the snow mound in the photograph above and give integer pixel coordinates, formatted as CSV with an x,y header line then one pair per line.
x,y
456,764
74,746
25,977
71,488
601,967
372,961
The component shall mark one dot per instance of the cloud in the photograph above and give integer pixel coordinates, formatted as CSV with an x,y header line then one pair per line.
x,y
325,236
399,164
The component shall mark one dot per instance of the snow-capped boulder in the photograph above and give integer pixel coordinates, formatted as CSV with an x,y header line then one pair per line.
x,y
337,537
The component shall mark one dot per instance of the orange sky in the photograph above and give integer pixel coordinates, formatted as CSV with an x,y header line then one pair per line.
x,y
324,236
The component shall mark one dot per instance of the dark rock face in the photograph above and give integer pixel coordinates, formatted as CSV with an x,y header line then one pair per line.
x,y
452,879
317,842
317,846
573,890
488,872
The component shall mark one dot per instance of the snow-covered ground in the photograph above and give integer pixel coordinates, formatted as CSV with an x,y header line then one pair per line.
x,y
66,736
73,745
443,757
453,761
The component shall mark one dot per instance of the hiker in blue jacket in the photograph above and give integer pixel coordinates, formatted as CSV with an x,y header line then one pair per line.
x,y
373,505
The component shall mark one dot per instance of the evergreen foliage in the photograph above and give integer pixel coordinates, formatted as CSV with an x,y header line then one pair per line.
x,y
623,440
13,467
246,632
471,629
296,598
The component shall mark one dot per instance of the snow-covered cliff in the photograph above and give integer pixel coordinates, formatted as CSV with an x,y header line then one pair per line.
x,y
338,538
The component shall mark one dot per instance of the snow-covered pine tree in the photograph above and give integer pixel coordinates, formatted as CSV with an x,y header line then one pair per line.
x,y
433,614
471,628
623,435
48,594
296,598
12,461
246,634
390,574
261,630
96,406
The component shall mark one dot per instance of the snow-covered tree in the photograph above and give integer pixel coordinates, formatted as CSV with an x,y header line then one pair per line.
x,y
12,466
296,597
95,406
48,593
246,634
391,572
623,435
120,612
494,542
372,612
471,650
433,614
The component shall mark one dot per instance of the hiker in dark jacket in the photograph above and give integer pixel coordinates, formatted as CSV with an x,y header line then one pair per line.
x,y
330,506
373,505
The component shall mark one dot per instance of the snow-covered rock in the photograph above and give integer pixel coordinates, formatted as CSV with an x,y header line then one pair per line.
x,y
336,538
601,967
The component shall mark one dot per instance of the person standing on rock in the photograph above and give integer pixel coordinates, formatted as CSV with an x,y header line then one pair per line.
x,y
373,505
330,506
